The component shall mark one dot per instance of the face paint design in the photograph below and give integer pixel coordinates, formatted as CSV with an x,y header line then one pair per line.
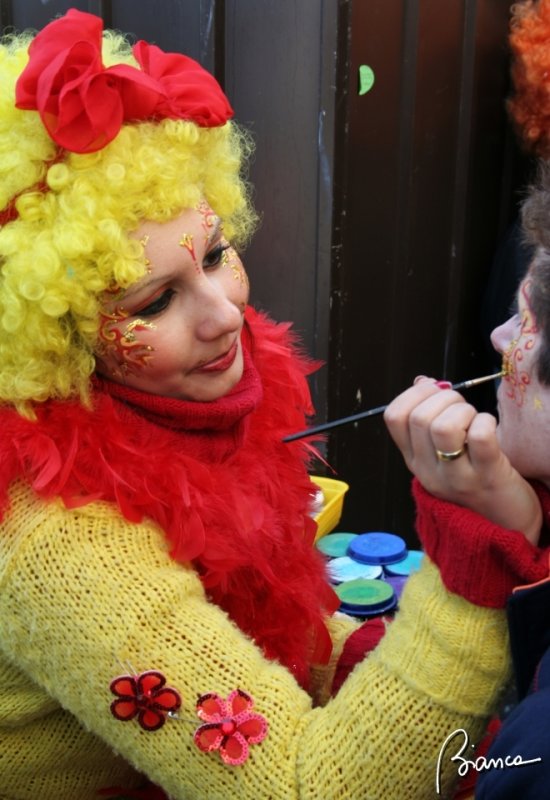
x,y
187,242
515,376
130,354
143,242
231,260
209,218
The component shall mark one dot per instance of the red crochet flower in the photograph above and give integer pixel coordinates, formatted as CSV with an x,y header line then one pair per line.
x,y
83,105
146,697
230,727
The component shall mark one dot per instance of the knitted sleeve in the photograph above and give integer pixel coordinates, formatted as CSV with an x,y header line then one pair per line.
x,y
477,559
85,595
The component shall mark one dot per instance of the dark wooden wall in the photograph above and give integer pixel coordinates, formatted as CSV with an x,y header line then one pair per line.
x,y
380,211
423,193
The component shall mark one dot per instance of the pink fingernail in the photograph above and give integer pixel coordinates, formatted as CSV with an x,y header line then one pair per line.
x,y
444,384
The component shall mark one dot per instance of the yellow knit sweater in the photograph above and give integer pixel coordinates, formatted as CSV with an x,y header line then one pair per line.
x,y
86,595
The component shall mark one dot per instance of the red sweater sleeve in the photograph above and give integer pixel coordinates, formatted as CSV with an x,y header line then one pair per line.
x,y
477,559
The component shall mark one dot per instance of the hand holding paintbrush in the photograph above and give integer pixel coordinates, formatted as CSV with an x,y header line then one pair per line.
x,y
459,455
372,412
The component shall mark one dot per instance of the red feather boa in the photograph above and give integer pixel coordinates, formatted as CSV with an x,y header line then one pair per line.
x,y
216,477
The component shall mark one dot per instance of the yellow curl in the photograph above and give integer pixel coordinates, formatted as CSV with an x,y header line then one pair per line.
x,y
70,241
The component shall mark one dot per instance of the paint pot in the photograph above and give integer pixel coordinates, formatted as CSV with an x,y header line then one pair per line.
x,y
335,544
411,563
397,582
364,597
344,569
377,547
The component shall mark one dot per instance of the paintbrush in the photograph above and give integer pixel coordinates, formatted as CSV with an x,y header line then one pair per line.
x,y
372,412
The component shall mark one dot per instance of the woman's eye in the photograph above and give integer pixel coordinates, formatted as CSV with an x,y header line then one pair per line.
x,y
215,256
156,306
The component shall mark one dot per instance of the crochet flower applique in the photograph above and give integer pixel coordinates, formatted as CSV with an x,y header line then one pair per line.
x,y
146,697
229,726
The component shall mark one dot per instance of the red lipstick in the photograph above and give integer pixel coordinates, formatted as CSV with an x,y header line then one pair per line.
x,y
221,363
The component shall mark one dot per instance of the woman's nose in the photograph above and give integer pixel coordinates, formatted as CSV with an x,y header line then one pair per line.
x,y
217,314
503,335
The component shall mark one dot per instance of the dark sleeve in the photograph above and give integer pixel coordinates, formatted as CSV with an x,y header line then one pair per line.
x,y
523,737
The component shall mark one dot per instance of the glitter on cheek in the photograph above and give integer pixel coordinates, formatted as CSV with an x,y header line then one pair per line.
x,y
507,360
129,337
130,354
537,403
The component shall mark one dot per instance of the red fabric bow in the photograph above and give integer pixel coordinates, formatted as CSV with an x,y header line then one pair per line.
x,y
83,104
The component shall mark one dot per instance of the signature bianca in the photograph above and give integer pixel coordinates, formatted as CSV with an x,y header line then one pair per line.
x,y
479,764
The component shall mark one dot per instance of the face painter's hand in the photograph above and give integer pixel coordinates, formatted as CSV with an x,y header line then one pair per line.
x,y
453,451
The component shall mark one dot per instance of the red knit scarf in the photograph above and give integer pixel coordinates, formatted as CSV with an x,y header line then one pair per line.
x,y
216,477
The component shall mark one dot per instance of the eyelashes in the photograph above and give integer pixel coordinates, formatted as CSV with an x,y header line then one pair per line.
x,y
215,256
157,305
211,260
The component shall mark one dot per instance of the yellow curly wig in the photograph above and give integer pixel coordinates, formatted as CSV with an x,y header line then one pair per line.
x,y
69,241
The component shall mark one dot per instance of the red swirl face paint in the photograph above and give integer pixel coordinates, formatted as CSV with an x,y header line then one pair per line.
x,y
515,361
128,352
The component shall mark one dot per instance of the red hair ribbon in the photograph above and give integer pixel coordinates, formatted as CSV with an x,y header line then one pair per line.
x,y
83,104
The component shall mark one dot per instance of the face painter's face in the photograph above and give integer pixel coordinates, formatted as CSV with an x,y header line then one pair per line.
x,y
176,332
523,402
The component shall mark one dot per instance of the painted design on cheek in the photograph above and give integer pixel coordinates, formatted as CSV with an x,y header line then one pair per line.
x,y
129,337
130,354
537,403
515,376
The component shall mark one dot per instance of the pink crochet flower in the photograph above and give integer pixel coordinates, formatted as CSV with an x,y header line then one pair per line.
x,y
229,726
83,104
146,697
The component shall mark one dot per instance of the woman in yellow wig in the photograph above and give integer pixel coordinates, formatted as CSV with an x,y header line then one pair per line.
x,y
164,619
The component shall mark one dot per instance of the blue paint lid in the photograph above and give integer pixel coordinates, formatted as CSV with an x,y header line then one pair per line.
x,y
365,594
335,544
356,611
377,547
411,563
345,568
